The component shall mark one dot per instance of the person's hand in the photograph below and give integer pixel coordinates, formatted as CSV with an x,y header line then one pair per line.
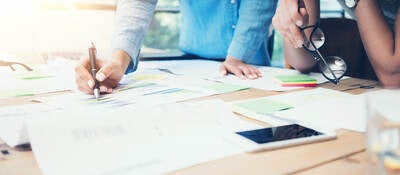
x,y
109,73
287,20
239,68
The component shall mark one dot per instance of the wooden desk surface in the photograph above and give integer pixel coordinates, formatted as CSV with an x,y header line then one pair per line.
x,y
344,155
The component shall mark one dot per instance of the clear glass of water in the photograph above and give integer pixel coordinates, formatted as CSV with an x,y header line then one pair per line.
x,y
383,132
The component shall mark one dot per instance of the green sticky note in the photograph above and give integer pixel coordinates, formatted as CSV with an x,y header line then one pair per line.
x,y
263,106
295,78
31,75
224,88
6,93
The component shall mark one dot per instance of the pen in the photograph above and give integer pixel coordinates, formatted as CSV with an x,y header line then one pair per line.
x,y
93,70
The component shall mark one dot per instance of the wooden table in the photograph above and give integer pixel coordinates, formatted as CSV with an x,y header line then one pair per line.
x,y
344,155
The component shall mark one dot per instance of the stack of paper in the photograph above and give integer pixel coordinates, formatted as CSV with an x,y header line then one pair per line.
x,y
41,80
145,89
134,141
383,102
320,108
262,109
209,70
12,121
330,115
202,85
295,80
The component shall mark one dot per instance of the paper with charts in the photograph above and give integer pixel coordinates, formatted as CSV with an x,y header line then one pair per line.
x,y
145,88
12,121
43,79
129,141
142,89
207,69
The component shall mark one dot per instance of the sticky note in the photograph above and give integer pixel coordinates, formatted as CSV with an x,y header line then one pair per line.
x,y
295,78
224,88
6,93
263,106
31,75
149,77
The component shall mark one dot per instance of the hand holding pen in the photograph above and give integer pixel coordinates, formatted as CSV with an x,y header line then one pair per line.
x,y
109,72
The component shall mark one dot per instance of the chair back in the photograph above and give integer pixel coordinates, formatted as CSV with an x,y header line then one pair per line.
x,y
343,40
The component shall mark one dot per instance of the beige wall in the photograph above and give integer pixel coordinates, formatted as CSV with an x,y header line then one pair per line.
x,y
32,32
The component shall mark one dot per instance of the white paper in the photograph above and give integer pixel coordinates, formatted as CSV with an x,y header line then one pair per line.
x,y
267,81
198,84
195,68
12,121
346,113
60,79
128,141
210,70
319,108
385,102
317,95
142,88
134,94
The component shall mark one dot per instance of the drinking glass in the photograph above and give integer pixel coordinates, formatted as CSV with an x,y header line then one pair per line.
x,y
383,132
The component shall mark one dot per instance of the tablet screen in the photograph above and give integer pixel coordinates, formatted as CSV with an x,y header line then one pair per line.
x,y
280,133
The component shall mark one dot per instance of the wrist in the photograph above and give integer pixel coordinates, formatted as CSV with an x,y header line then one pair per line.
x,y
121,58
230,57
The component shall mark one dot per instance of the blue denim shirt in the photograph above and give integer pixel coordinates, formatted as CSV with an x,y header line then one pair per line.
x,y
209,28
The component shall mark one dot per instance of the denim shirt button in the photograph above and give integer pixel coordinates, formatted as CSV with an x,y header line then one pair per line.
x,y
232,1
233,26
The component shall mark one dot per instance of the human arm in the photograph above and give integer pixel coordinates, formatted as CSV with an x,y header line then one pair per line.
x,y
380,42
131,21
250,31
287,20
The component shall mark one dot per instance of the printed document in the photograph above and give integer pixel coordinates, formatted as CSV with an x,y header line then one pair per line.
x,y
210,70
321,109
13,118
146,141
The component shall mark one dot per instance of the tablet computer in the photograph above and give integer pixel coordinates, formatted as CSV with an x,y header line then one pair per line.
x,y
280,136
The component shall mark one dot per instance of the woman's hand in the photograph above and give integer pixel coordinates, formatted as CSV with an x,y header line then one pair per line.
x,y
287,20
109,74
240,69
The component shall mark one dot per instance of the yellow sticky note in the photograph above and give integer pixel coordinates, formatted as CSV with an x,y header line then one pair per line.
x,y
149,77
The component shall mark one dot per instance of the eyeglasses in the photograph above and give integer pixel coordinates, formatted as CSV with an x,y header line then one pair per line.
x,y
332,68
13,64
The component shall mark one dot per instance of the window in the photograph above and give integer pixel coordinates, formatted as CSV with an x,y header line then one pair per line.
x,y
163,33
331,8
73,23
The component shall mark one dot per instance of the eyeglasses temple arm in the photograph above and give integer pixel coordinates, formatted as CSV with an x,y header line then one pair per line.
x,y
7,63
329,68
23,65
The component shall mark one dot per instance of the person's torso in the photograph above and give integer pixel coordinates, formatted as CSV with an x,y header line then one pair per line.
x,y
208,26
388,7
